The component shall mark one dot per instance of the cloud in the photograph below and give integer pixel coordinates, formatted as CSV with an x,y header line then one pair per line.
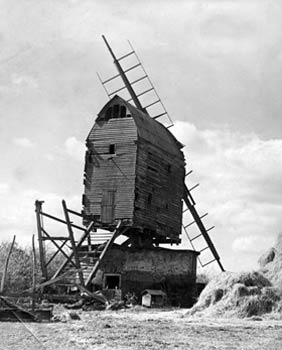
x,y
49,157
4,188
22,80
17,216
251,244
23,142
250,165
75,148
241,186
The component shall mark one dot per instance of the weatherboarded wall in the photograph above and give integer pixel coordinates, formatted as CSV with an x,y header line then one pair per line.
x,y
173,271
111,172
159,189
134,170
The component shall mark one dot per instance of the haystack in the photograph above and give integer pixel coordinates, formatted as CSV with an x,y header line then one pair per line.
x,y
237,295
271,264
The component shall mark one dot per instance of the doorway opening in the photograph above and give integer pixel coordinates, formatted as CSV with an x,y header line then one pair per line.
x,y
112,281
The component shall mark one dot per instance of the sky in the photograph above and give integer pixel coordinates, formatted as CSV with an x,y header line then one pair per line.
x,y
215,64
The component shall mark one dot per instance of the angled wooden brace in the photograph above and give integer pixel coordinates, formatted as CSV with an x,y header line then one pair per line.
x,y
82,239
74,247
107,246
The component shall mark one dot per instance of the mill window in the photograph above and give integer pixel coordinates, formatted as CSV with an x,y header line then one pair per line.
x,y
116,111
112,149
122,111
149,200
109,113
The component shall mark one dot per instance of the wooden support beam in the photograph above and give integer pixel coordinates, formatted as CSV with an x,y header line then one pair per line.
x,y
33,273
56,238
71,236
38,211
3,280
17,307
56,253
75,212
62,221
89,242
82,239
161,240
57,279
59,248
108,245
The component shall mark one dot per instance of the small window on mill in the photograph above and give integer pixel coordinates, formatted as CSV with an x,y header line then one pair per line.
x,y
112,149
108,114
122,111
116,111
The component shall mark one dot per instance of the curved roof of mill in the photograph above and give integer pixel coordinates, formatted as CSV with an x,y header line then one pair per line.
x,y
148,128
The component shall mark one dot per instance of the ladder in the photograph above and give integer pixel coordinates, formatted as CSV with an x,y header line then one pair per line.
x,y
130,86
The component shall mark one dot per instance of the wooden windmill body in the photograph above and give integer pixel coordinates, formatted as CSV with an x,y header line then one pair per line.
x,y
134,171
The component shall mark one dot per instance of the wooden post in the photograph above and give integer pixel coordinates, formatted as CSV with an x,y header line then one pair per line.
x,y
38,207
74,247
33,273
6,266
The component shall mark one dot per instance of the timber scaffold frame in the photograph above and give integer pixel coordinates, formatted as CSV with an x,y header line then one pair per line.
x,y
73,263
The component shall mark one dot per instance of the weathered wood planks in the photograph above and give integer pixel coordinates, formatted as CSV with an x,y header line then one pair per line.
x,y
141,162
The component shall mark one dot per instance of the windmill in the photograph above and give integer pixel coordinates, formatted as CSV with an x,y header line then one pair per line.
x,y
154,108
134,186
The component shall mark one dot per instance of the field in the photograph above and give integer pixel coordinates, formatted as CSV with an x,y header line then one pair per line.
x,y
143,329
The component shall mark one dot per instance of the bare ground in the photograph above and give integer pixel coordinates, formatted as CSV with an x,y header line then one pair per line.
x,y
143,329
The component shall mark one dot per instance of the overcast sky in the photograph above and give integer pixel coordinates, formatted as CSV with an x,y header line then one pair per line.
x,y
217,67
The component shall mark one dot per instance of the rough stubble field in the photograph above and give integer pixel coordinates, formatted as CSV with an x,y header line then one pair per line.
x,y
143,329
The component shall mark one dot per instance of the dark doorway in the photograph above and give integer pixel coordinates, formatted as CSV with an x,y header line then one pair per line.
x,y
112,281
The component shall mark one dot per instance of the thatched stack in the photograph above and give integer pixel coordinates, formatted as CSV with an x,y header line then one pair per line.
x,y
237,295
245,294
271,264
